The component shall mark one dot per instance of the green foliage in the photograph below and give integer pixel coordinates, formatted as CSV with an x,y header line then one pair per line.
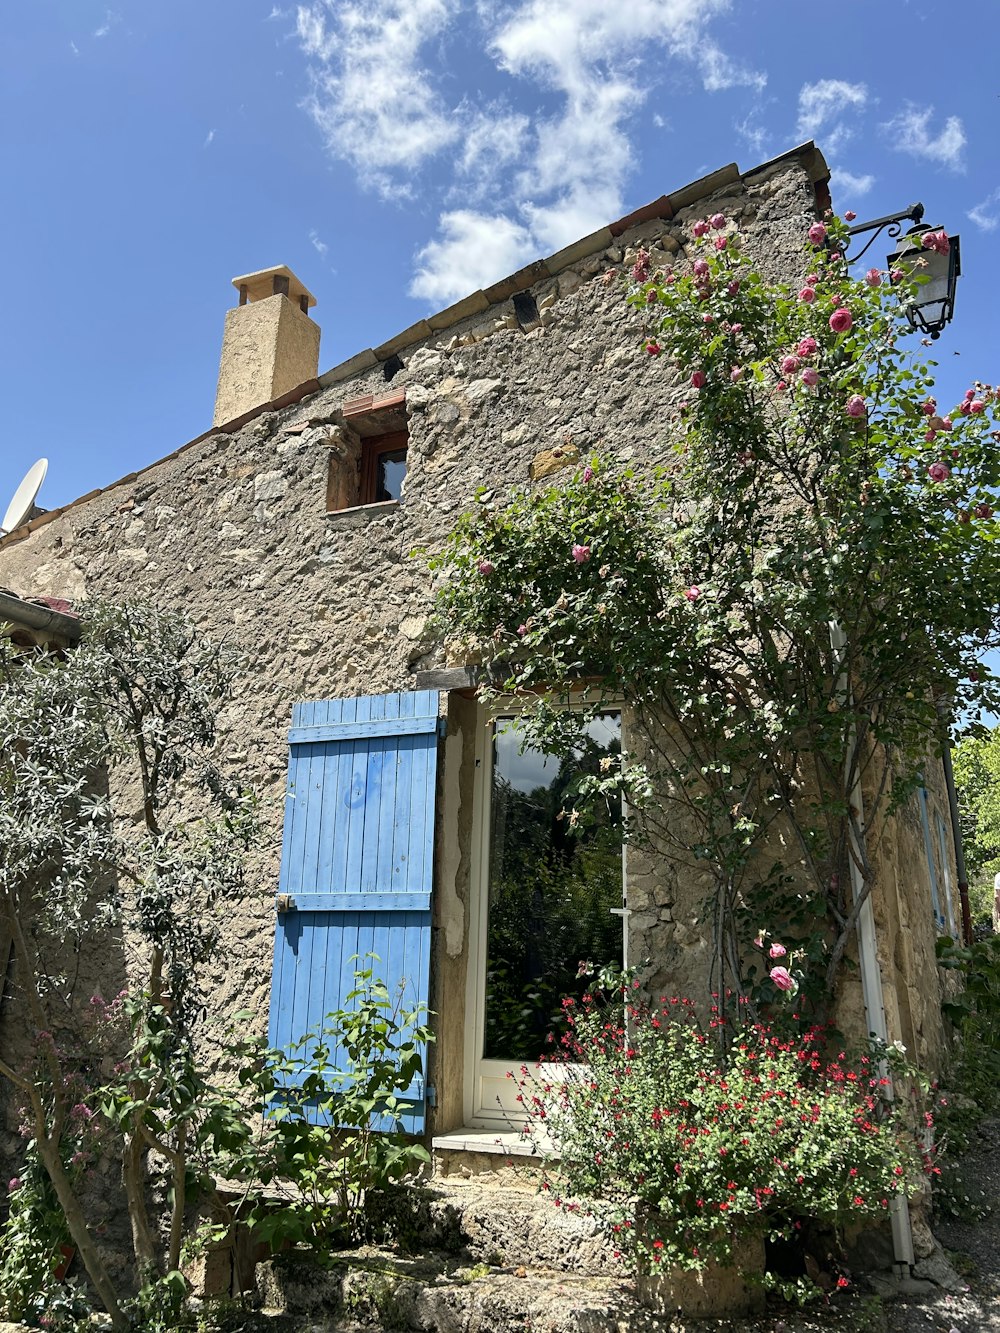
x,y
678,1152
124,721
975,1014
977,778
782,606
338,1100
31,1241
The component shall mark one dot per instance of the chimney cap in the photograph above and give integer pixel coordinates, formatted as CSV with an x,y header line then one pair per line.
x,y
261,284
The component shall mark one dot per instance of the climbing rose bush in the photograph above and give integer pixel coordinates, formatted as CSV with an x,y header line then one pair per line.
x,y
808,479
678,1152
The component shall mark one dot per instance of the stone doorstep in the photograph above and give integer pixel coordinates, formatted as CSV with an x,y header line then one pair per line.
x,y
482,1152
378,1289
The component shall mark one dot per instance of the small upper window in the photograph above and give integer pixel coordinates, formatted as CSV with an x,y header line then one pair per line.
x,y
383,467
372,467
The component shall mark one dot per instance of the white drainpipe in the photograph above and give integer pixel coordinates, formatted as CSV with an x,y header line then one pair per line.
x,y
871,974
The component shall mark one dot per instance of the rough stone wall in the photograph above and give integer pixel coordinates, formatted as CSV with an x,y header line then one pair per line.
x,y
235,530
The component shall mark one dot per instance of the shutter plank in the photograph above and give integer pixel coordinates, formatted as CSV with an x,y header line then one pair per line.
x,y
357,858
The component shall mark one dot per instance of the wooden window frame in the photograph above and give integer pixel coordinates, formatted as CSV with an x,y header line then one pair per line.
x,y
372,450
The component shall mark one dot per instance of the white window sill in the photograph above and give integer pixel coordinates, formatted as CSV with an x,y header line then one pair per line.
x,y
504,1143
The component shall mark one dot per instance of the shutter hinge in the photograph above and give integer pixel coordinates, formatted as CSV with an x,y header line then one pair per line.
x,y
284,902
431,1095
442,728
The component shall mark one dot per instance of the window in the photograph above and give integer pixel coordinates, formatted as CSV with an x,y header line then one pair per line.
x,y
548,898
368,465
383,467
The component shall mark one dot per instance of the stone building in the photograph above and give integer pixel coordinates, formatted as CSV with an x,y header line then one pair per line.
x,y
290,526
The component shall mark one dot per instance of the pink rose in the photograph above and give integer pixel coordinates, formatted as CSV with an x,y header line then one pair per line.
x,y
808,295
782,978
850,215
810,376
930,435
653,348
522,630
721,242
789,365
698,379
855,406
700,268
700,228
983,510
708,319
733,287
485,567
936,240
640,269
817,233
692,593
588,474
736,374
777,951
736,328
929,408
896,275
652,296
581,554
873,278
840,320
718,221
977,405
806,347
939,472
812,279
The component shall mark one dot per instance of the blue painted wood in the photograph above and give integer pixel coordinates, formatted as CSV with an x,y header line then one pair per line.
x,y
346,731
356,859
348,902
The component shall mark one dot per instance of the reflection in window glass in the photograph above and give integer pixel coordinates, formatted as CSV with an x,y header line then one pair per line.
x,y
391,469
553,882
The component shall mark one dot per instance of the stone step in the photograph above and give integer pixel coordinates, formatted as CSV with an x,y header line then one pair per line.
x,y
377,1289
509,1225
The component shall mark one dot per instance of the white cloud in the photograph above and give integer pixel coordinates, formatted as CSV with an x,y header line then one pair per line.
x,y
318,245
74,48
986,215
110,19
754,134
492,140
372,98
527,183
208,138
846,183
909,132
825,101
474,250
719,72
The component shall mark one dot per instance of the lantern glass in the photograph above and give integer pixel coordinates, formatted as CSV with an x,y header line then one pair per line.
x,y
933,301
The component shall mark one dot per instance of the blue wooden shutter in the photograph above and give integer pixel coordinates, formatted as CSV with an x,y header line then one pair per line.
x,y
356,859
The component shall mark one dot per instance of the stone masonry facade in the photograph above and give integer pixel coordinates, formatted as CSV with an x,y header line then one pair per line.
x,y
234,529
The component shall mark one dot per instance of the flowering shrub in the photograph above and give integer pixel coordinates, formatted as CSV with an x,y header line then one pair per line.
x,y
810,481
678,1152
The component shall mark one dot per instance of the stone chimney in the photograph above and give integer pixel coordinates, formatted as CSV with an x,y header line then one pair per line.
x,y
270,345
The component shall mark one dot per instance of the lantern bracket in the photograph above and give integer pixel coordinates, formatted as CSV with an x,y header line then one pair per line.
x,y
892,223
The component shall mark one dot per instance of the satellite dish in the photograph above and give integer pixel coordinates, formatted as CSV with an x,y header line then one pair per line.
x,y
22,507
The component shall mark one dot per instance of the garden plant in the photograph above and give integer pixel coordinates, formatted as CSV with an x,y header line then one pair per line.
x,y
785,604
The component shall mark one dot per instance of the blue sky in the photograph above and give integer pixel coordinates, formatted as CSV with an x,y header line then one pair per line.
x,y
400,153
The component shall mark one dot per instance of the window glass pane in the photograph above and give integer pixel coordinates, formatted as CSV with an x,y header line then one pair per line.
x,y
553,882
390,471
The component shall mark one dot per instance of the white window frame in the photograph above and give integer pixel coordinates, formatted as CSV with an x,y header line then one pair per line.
x,y
486,1081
